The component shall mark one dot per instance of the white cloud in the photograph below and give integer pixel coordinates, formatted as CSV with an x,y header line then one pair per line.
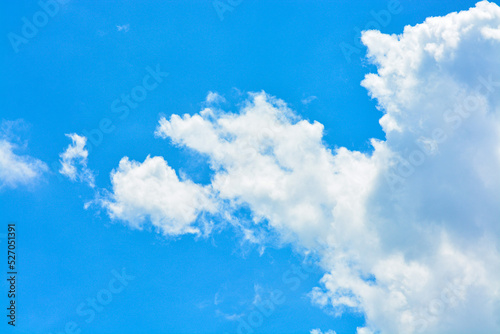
x,y
318,331
217,298
408,234
124,27
258,292
308,99
16,169
363,330
267,158
214,97
229,317
74,161
152,190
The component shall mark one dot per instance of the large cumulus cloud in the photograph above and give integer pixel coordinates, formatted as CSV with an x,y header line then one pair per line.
x,y
407,234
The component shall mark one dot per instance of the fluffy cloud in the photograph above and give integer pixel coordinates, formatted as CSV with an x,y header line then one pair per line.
x,y
214,98
407,234
152,190
16,169
74,161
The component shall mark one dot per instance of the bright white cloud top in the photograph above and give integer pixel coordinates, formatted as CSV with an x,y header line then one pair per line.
x,y
74,161
408,233
153,190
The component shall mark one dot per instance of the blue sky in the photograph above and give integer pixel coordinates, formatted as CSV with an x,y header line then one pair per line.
x,y
65,79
